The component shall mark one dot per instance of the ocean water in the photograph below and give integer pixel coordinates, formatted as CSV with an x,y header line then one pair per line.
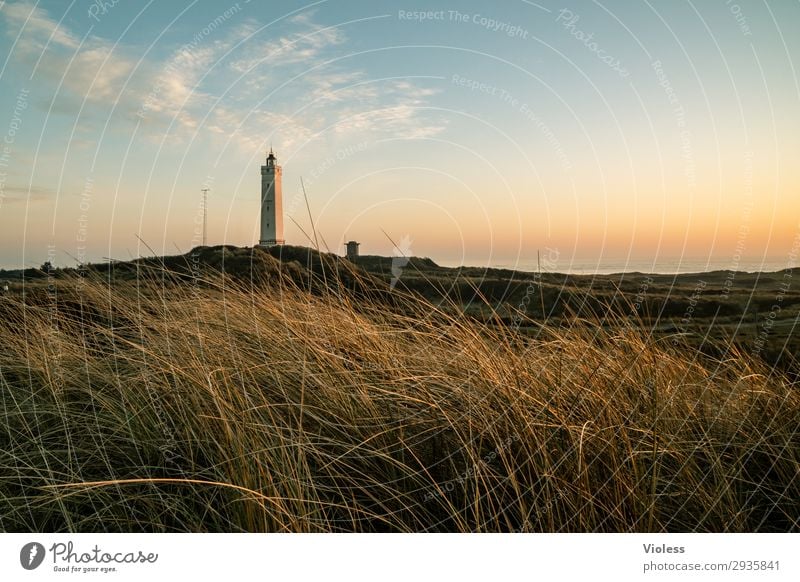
x,y
659,265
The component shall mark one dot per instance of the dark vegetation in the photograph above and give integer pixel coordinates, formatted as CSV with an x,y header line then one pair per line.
x,y
286,390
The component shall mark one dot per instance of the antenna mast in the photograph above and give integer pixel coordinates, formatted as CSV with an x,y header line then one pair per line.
x,y
205,213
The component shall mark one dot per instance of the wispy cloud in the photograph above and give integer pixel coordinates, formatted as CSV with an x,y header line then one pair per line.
x,y
398,120
305,46
92,71
232,83
40,28
13,195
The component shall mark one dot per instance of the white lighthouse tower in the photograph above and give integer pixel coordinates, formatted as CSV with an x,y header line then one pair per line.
x,y
271,203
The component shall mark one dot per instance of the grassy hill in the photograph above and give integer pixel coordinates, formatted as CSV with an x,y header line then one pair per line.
x,y
757,313
285,390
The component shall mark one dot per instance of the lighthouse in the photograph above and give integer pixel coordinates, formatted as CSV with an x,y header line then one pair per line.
x,y
271,203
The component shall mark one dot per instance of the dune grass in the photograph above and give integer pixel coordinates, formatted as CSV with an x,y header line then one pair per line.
x,y
155,405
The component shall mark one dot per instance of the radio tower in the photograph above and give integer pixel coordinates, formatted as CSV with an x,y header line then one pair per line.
x,y
205,212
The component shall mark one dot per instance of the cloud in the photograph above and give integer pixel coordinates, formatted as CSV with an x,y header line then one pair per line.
x,y
18,194
40,28
92,71
305,46
397,120
175,87
99,72
217,84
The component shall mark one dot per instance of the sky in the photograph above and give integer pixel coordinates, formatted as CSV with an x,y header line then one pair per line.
x,y
469,132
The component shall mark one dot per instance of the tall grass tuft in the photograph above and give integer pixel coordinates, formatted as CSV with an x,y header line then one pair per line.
x,y
214,405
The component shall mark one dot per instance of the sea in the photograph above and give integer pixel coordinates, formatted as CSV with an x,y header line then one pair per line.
x,y
665,266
